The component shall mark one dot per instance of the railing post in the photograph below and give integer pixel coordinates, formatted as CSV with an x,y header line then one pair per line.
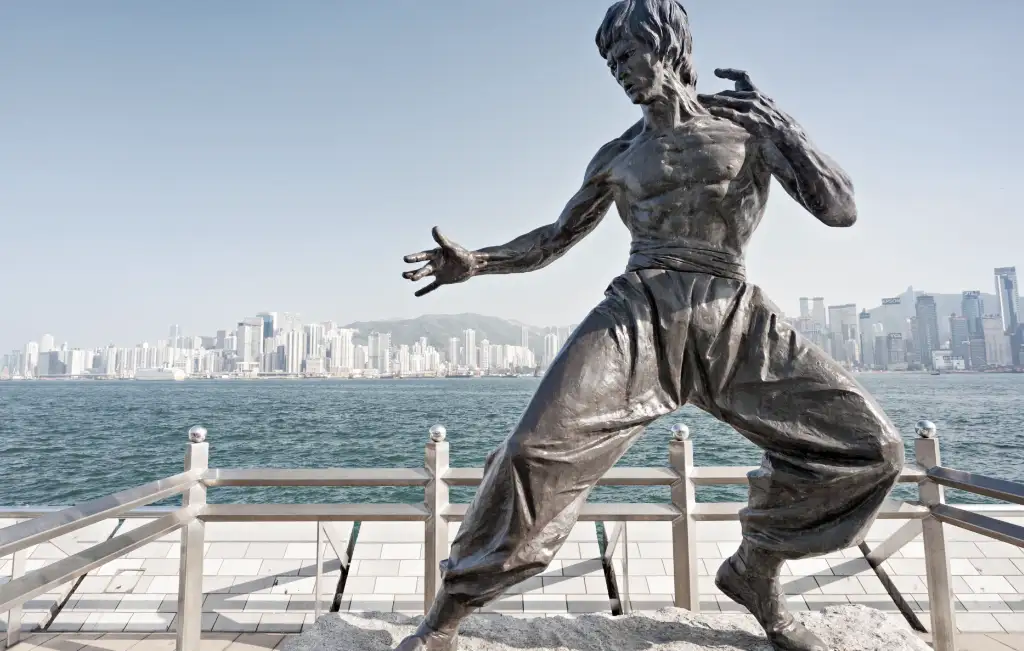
x,y
436,526
684,527
190,569
15,615
940,594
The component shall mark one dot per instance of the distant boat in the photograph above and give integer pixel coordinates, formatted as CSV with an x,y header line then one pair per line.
x,y
172,374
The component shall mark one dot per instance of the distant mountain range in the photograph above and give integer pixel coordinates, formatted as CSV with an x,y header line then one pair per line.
x,y
439,328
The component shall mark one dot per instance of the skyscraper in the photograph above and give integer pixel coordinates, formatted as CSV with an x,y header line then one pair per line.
x,y
972,308
469,346
927,338
805,307
269,323
818,313
867,339
1008,295
960,338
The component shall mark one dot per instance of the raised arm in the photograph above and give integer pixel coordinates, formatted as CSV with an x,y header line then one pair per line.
x,y
813,179
450,263
584,211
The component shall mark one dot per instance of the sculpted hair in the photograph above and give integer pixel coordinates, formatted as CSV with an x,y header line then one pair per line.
x,y
661,24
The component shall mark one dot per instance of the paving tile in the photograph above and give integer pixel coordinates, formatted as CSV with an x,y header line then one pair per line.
x,y
371,602
286,567
237,622
999,549
989,584
995,566
564,585
232,550
148,622
265,550
267,603
1011,622
140,602
401,551
839,585
982,602
281,622
106,622
978,623
240,567
222,603
397,585
375,568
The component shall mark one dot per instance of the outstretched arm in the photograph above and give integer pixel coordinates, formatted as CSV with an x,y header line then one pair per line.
x,y
813,179
584,211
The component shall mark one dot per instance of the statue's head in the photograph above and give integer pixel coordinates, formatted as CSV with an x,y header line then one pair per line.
x,y
647,45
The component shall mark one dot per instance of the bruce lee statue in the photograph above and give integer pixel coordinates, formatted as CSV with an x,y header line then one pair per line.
x,y
681,325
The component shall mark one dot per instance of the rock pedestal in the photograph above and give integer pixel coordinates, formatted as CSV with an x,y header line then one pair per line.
x,y
844,628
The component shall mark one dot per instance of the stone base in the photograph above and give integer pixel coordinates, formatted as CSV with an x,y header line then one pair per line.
x,y
843,628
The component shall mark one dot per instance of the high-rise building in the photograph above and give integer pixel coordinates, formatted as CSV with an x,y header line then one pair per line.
x,y
551,347
525,338
960,338
805,307
972,308
249,341
294,351
997,342
269,323
46,343
842,327
469,347
867,339
897,352
453,352
30,360
485,355
1008,295
818,313
927,338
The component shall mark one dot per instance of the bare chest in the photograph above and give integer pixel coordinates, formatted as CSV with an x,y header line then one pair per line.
x,y
696,158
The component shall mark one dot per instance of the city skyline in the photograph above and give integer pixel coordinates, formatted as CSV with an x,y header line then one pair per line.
x,y
904,332
797,309
195,164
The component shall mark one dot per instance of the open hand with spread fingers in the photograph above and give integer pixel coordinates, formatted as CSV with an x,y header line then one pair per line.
x,y
748,107
449,263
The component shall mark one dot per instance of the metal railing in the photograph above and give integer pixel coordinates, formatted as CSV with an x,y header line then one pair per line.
x,y
925,517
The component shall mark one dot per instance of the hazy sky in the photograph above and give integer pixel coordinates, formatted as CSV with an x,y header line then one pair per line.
x,y
195,162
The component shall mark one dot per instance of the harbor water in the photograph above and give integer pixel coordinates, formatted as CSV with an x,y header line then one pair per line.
x,y
65,442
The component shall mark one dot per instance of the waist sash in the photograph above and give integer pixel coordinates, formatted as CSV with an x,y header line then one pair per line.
x,y
688,259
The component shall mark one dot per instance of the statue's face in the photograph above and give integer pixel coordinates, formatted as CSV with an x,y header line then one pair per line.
x,y
638,70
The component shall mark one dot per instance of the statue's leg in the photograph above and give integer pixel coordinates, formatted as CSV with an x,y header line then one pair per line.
x,y
597,396
831,456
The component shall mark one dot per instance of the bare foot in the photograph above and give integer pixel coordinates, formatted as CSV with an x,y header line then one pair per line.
x,y
427,639
762,596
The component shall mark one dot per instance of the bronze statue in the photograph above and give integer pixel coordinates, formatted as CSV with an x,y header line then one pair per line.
x,y
681,325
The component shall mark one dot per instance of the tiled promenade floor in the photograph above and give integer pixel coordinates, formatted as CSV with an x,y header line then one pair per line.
x,y
259,579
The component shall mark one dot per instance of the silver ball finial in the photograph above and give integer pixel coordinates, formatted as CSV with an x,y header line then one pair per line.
x,y
925,429
197,434
680,432
437,433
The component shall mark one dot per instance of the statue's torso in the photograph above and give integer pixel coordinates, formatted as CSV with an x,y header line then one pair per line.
x,y
702,184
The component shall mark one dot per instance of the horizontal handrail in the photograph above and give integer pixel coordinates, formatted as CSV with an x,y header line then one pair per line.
x,y
978,523
999,489
640,476
728,511
728,475
621,476
600,511
49,576
25,512
317,477
51,525
313,512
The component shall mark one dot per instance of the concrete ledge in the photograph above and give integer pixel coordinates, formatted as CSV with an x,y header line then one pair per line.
x,y
850,628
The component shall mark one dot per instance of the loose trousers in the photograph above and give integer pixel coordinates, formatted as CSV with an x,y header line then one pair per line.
x,y
659,340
